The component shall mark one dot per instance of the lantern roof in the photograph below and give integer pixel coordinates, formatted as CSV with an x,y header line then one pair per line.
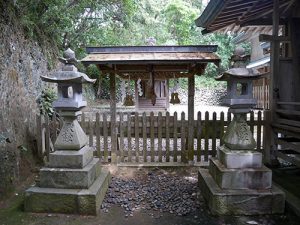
x,y
239,73
69,72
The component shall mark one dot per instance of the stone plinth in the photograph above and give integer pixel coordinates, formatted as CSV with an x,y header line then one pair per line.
x,y
72,182
238,159
239,202
75,201
237,183
70,159
246,178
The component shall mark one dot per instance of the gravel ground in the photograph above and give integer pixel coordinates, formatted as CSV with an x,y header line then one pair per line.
x,y
141,196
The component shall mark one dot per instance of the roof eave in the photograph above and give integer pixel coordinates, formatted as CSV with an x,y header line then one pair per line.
x,y
210,12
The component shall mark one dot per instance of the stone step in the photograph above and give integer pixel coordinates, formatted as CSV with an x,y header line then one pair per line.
x,y
237,159
247,178
239,202
75,201
70,158
70,178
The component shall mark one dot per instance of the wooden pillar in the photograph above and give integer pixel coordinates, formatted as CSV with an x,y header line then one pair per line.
x,y
136,95
113,109
273,90
191,95
167,94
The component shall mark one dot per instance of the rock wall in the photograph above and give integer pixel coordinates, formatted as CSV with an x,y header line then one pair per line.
x,y
22,61
204,96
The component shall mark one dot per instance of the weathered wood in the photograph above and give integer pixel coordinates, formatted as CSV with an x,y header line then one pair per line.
x,y
47,137
251,123
184,155
82,122
152,137
191,94
145,137
167,137
222,128
136,133
258,141
199,131
39,137
214,138
267,137
54,127
121,137
91,134
97,133
159,119
129,136
175,138
112,79
105,137
206,140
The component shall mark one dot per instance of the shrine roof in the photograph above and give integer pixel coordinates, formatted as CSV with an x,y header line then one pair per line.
x,y
138,60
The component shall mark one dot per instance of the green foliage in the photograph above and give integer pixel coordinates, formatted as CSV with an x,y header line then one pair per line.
x,y
45,101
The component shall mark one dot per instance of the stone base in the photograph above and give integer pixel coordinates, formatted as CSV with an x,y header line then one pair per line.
x,y
237,159
74,201
70,178
239,202
246,178
70,158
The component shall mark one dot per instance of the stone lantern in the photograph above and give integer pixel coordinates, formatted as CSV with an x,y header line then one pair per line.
x,y
72,181
237,182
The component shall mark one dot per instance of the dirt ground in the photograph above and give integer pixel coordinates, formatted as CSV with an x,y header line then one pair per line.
x,y
11,212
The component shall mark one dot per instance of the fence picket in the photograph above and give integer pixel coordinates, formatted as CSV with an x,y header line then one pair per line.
x,y
97,132
175,136
129,150
144,124
167,137
214,135
47,138
159,136
136,133
152,137
252,122
105,137
39,136
221,128
206,140
259,122
91,134
199,132
183,141
121,137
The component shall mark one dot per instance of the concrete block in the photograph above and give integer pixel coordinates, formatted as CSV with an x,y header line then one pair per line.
x,y
237,159
70,158
246,178
239,202
75,201
70,178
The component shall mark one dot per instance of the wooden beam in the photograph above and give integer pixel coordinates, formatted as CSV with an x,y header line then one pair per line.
x,y
270,38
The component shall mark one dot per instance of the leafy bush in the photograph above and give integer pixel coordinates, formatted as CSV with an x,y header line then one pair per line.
x,y
45,101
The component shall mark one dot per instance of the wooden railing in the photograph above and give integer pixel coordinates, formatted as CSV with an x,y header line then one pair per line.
x,y
148,138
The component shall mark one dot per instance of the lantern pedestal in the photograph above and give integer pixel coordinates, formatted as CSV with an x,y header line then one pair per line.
x,y
237,182
72,182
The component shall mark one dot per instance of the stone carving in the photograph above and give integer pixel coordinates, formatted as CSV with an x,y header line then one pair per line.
x,y
68,133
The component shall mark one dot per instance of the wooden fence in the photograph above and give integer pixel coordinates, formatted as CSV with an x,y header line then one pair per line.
x,y
148,138
261,92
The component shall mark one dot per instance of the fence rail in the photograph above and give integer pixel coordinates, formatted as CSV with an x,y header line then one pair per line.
x,y
144,137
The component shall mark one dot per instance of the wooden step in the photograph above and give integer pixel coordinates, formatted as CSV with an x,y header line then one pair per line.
x,y
290,143
287,130
294,159
288,112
